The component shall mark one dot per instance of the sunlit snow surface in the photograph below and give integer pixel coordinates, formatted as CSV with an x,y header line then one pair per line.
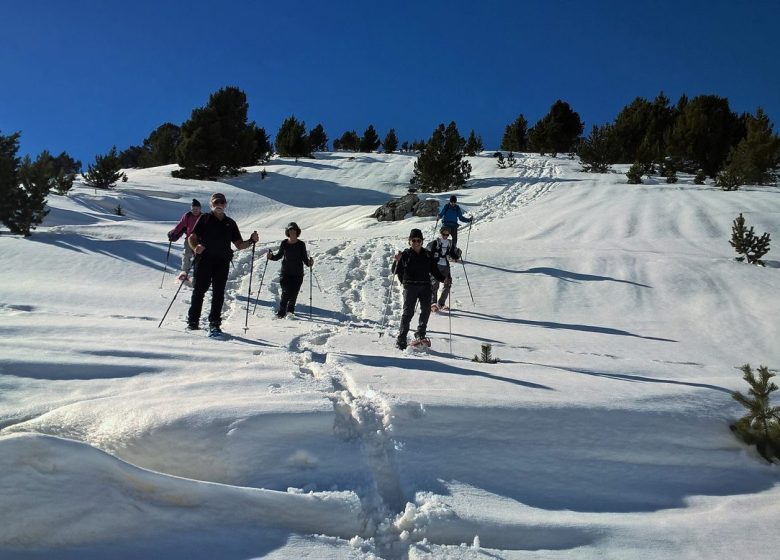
x,y
618,314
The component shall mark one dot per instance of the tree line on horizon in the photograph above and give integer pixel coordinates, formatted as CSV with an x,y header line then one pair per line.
x,y
701,135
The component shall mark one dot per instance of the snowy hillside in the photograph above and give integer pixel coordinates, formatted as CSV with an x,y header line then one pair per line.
x,y
618,314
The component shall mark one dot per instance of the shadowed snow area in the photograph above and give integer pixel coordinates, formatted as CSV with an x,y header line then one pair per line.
x,y
617,312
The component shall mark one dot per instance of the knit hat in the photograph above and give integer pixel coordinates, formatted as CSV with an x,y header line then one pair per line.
x,y
453,198
218,197
195,202
415,233
293,226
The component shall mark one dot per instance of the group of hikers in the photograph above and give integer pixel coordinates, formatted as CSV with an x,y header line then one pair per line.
x,y
207,253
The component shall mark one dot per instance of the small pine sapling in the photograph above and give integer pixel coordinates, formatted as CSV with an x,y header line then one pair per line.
x,y
699,178
487,355
501,162
728,180
634,174
118,210
760,426
510,160
746,243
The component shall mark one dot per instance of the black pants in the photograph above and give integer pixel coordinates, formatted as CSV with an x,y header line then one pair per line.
x,y
414,293
446,285
214,273
291,286
453,235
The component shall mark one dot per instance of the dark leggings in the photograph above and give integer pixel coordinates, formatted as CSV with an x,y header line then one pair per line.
x,y
291,286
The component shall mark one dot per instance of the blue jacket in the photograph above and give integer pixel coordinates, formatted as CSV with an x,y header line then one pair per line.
x,y
451,214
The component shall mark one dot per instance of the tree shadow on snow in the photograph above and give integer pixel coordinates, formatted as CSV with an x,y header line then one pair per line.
x,y
143,253
564,326
565,275
436,366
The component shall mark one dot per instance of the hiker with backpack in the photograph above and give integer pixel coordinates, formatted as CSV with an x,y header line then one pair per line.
x,y
185,226
414,268
449,216
293,253
210,242
442,251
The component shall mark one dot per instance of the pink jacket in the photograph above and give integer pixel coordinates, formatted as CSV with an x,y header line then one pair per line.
x,y
186,224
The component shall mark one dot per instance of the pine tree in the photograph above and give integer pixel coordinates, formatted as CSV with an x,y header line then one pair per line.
x,y
473,144
699,178
755,159
558,131
761,424
500,161
105,172
370,141
318,139
516,136
350,141
704,132
159,147
130,157
511,160
405,146
263,148
9,174
217,139
390,143
29,199
65,170
634,174
747,244
292,140
440,166
597,151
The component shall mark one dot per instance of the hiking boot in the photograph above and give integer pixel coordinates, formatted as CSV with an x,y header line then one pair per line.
x,y
214,330
400,344
192,327
280,314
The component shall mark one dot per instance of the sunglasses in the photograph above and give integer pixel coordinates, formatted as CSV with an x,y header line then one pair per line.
x,y
416,240
445,233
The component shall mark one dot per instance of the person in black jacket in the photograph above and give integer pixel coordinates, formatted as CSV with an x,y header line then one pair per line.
x,y
210,241
293,253
414,268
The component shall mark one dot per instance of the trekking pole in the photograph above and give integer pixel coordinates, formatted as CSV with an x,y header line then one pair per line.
x,y
449,314
435,226
317,279
165,270
467,282
468,238
262,276
311,284
249,291
171,304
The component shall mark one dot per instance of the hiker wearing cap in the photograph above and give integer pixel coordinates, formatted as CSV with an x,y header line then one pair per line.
x,y
414,267
185,226
449,216
210,241
293,253
441,249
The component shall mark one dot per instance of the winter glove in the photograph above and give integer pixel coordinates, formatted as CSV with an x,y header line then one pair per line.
x,y
171,237
311,262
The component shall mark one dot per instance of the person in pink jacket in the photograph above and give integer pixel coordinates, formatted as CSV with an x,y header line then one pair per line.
x,y
185,226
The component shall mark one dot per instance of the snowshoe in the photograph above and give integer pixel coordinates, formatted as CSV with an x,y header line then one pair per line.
x,y
421,343
215,332
434,308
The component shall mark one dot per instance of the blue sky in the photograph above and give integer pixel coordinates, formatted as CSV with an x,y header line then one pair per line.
x,y
82,76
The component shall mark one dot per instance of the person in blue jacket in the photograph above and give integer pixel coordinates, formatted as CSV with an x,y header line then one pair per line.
x,y
449,216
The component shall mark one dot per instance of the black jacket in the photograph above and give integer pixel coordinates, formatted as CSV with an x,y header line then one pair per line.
x,y
216,236
293,256
417,268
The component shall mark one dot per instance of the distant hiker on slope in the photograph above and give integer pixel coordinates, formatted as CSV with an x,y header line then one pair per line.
x,y
449,216
442,251
185,226
414,268
210,241
293,253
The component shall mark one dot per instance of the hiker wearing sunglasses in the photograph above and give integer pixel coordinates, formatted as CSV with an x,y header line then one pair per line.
x,y
414,267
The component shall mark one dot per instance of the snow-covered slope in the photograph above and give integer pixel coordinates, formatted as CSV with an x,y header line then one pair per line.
x,y
617,311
